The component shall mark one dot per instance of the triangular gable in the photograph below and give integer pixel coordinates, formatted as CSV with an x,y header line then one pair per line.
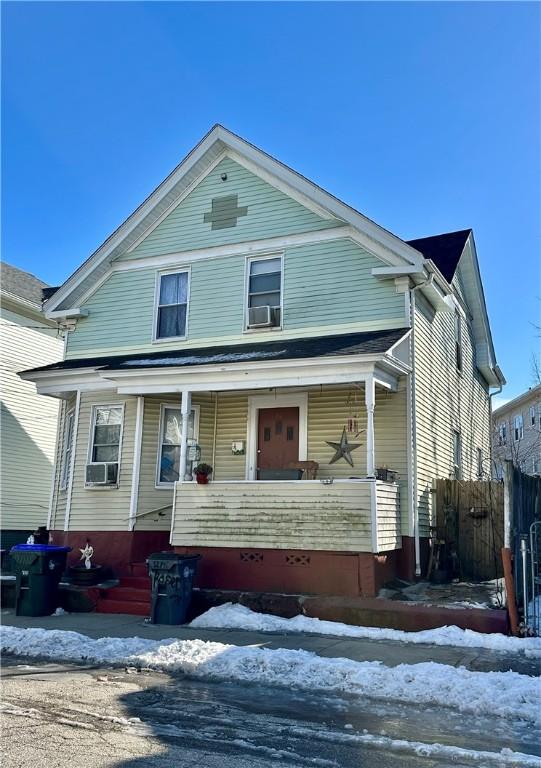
x,y
229,205
219,140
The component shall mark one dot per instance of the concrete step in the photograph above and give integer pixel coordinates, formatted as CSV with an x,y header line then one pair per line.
x,y
135,582
127,595
122,606
139,569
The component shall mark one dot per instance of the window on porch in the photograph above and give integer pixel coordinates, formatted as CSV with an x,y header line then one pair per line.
x,y
168,469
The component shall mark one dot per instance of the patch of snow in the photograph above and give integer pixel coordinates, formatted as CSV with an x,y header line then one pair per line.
x,y
59,612
500,694
224,357
235,616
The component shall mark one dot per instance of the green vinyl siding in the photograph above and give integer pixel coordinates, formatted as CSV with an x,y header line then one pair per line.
x,y
327,285
271,213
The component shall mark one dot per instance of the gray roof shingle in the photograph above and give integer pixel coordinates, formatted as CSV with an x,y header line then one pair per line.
x,y
20,283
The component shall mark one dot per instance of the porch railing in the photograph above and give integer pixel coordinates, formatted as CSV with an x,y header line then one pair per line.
x,y
304,514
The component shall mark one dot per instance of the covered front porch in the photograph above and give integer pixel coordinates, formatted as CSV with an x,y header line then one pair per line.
x,y
310,462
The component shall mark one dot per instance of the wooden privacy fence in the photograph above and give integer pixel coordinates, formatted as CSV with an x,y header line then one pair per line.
x,y
470,522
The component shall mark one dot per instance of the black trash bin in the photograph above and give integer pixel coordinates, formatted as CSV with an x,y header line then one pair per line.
x,y
171,577
38,569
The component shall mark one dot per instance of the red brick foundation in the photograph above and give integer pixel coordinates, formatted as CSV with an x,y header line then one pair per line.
x,y
305,572
113,549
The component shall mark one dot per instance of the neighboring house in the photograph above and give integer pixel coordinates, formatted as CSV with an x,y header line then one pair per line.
x,y
28,421
246,317
516,433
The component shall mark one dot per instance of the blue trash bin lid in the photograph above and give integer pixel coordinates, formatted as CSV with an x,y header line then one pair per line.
x,y
39,548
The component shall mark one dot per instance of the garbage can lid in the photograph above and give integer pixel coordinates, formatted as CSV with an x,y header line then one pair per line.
x,y
39,548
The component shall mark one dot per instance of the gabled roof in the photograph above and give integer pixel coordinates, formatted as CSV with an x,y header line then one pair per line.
x,y
444,250
217,142
365,343
20,284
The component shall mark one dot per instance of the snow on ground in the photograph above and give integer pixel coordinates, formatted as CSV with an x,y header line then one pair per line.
x,y
500,694
235,616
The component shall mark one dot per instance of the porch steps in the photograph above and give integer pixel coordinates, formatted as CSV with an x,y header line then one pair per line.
x,y
132,595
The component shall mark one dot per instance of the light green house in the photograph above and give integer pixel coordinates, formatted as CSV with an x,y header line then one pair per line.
x,y
326,369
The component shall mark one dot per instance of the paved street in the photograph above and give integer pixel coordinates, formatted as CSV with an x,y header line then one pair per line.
x,y
67,716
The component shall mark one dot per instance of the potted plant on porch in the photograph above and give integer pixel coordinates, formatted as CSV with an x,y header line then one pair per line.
x,y
202,472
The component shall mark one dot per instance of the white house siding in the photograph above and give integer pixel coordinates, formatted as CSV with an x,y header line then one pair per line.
x,y
446,400
60,495
274,515
28,420
388,516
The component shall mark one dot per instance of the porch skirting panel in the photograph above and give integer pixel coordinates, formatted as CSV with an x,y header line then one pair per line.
x,y
306,572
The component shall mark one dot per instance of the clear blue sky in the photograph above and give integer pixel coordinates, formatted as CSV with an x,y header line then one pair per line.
x,y
424,116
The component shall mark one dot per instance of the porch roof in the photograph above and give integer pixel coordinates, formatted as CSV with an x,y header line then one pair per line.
x,y
365,343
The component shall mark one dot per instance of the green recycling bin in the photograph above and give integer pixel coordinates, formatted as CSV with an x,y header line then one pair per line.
x,y
171,578
38,569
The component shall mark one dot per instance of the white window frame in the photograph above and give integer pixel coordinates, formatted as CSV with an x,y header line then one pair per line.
x,y
67,450
457,454
502,433
518,427
196,408
248,262
159,274
532,415
94,408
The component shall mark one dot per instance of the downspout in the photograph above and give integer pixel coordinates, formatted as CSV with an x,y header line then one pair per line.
x,y
416,533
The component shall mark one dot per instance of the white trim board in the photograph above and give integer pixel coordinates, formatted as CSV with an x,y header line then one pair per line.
x,y
255,403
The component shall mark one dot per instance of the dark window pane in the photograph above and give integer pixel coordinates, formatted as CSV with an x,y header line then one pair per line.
x,y
278,427
105,453
171,321
290,433
265,283
265,300
107,435
266,434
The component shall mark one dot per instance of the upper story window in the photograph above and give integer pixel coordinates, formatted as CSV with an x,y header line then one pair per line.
x,y
502,434
457,455
67,451
169,443
103,466
264,293
532,415
458,342
171,305
518,427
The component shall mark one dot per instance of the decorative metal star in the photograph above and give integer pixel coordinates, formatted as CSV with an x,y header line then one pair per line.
x,y
343,449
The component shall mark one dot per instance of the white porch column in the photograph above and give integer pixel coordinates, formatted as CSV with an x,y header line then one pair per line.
x,y
185,408
370,401
69,490
137,445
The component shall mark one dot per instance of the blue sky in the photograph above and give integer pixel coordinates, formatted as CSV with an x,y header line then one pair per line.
x,y
424,116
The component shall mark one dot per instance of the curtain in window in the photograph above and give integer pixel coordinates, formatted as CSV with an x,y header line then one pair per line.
x,y
170,443
172,305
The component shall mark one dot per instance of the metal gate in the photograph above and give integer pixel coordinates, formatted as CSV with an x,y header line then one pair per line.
x,y
531,576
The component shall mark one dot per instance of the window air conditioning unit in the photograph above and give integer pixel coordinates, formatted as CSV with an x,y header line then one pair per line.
x,y
103,473
261,317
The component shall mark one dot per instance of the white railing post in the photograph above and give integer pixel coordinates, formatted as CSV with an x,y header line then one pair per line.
x,y
185,409
370,401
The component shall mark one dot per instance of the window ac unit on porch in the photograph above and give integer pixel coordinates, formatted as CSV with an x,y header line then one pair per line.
x,y
261,317
102,473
